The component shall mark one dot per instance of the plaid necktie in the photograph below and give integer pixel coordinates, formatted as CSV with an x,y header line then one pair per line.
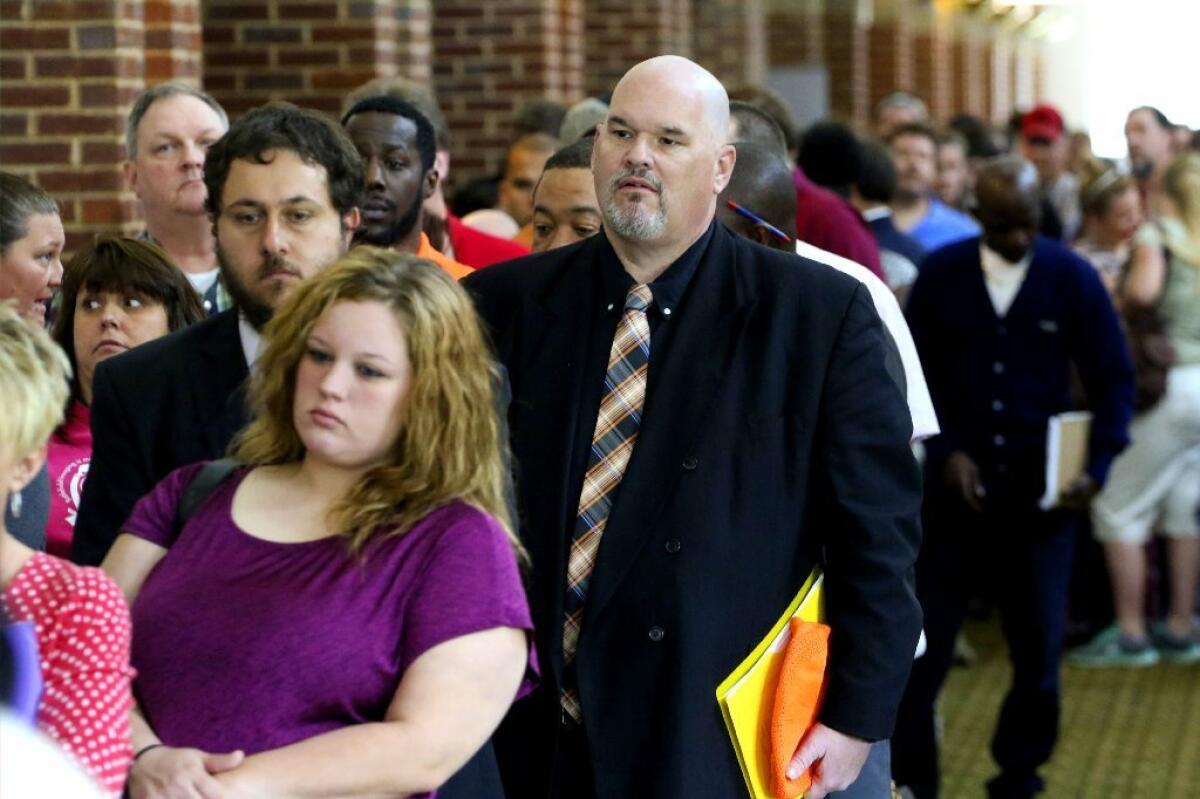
x,y
612,445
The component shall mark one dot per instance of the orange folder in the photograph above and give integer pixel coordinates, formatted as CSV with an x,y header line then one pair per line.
x,y
798,696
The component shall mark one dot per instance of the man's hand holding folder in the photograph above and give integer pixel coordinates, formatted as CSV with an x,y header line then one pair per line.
x,y
833,760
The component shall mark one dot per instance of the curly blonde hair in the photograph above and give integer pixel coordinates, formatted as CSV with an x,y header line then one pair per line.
x,y
450,444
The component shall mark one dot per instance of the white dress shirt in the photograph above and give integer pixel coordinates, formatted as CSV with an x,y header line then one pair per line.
x,y
251,341
920,405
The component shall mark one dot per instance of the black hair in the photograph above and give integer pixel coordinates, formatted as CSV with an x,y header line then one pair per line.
x,y
829,156
386,104
283,126
756,125
876,180
576,155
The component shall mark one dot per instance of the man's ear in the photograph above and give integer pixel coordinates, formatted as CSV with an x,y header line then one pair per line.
x,y
350,222
26,469
760,235
131,175
430,183
726,157
441,162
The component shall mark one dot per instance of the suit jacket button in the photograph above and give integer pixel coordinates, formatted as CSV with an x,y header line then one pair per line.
x,y
673,545
690,462
656,634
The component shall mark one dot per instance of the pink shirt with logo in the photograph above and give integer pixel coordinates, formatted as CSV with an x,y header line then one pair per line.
x,y
70,453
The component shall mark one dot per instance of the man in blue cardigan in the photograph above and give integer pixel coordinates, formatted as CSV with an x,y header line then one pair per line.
x,y
999,321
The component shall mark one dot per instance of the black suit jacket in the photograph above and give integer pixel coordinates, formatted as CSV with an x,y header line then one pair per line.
x,y
773,439
170,402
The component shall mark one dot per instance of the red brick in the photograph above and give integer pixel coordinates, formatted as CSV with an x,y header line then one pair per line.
x,y
12,9
168,38
309,57
344,33
40,38
216,33
272,82
295,12
330,104
14,124
14,154
163,11
223,58
111,211
96,37
91,180
218,83
12,68
78,124
106,95
237,10
272,34
63,66
74,9
237,103
96,152
160,66
341,78
33,96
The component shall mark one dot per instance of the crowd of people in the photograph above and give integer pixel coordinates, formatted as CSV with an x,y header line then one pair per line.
x,y
331,484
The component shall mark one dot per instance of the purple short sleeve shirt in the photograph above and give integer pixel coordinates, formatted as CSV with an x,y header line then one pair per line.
x,y
242,643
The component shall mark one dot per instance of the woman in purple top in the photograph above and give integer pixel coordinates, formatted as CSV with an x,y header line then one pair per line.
x,y
343,615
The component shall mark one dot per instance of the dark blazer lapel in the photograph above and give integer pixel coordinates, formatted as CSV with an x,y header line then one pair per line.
x,y
558,343
711,326
547,381
219,382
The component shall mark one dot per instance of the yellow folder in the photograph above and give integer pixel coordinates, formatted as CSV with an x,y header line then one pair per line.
x,y
747,695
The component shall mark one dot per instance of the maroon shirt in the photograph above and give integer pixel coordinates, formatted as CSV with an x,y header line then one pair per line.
x,y
243,643
825,220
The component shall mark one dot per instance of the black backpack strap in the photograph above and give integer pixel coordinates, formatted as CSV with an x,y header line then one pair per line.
x,y
201,487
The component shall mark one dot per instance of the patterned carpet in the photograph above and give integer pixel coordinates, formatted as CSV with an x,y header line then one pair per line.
x,y
1126,733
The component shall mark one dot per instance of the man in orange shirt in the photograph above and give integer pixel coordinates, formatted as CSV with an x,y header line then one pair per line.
x,y
398,148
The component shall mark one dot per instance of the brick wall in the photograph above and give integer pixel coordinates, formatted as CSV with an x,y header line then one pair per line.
x,y
173,44
729,39
795,33
620,33
891,60
68,74
493,58
311,52
846,42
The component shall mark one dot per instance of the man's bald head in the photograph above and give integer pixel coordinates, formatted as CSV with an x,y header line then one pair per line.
x,y
761,183
660,158
685,79
1008,205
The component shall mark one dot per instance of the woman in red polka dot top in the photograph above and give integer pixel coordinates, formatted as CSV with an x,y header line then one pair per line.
x,y
79,615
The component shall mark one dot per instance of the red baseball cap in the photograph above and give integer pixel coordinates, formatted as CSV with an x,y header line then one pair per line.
x,y
1042,122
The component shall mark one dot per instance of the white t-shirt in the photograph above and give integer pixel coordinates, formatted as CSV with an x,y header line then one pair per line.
x,y
1002,277
203,281
920,405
